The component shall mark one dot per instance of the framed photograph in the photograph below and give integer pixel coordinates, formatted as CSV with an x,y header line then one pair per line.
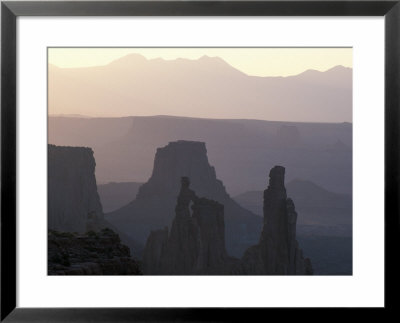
x,y
179,160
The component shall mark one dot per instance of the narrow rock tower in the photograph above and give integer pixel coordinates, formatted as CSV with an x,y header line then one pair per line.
x,y
278,252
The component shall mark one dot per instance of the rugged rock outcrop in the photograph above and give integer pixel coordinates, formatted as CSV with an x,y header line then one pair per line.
x,y
93,253
154,205
196,241
73,202
278,252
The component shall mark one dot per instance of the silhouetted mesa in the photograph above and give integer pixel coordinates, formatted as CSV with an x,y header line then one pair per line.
x,y
278,252
154,205
196,242
93,253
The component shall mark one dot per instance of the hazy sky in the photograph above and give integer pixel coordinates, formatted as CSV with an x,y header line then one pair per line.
x,y
252,61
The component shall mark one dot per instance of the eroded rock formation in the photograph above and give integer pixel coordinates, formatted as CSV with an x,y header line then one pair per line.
x,y
196,241
92,253
73,202
278,252
155,202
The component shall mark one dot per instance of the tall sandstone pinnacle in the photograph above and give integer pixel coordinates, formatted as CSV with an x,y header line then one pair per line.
x,y
196,241
277,252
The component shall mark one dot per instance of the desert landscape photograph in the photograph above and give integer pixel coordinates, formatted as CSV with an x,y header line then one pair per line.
x,y
200,161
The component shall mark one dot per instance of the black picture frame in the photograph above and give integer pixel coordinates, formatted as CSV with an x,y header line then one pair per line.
x,y
11,10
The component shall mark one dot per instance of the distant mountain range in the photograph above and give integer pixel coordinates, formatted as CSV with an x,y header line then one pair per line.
x,y
208,87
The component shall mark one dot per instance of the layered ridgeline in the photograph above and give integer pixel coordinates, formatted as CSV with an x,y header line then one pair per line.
x,y
240,150
209,85
74,207
154,205
195,244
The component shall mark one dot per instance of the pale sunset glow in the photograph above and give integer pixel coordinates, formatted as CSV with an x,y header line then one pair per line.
x,y
251,61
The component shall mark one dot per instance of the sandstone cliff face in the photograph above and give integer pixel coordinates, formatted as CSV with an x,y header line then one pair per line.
x,y
93,253
278,252
154,205
195,243
73,202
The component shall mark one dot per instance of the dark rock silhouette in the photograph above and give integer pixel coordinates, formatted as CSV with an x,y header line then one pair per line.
x,y
73,202
154,205
177,159
278,252
93,253
195,243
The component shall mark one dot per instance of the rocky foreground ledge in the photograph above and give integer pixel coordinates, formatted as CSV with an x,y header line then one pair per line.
x,y
92,253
